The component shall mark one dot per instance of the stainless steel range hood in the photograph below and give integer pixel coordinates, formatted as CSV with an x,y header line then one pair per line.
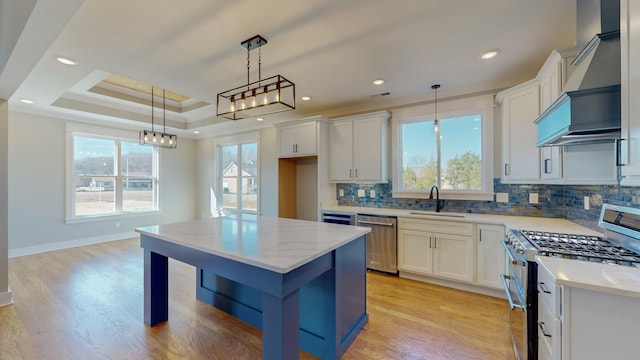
x,y
588,111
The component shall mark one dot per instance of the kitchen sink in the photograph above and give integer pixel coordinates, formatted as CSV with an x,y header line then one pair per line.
x,y
439,215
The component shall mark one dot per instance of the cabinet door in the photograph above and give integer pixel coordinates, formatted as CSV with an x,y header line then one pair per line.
x,y
341,151
630,51
368,146
551,162
491,255
414,252
453,257
287,140
521,157
306,139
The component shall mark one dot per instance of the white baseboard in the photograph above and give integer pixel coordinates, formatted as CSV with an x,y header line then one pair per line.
x,y
30,250
6,298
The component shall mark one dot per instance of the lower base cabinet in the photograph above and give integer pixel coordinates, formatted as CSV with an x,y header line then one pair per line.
x,y
437,248
492,258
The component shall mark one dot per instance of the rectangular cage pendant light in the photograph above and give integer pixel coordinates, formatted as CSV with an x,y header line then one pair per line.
x,y
158,138
262,97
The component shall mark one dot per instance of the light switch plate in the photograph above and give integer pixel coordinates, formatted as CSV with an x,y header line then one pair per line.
x,y
341,192
533,198
502,197
372,193
361,193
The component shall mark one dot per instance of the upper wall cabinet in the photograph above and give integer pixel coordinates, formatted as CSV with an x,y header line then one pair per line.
x,y
297,138
358,148
521,158
630,55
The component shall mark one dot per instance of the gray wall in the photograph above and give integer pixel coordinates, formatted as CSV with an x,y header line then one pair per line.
x,y
37,189
5,296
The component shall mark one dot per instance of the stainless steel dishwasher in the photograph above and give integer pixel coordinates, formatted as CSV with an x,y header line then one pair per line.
x,y
382,254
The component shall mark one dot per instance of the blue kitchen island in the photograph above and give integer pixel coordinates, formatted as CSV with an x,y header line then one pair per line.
x,y
303,283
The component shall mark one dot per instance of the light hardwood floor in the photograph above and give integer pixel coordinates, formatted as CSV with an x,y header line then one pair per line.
x,y
86,303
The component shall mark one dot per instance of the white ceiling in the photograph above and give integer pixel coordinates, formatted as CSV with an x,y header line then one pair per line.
x,y
331,49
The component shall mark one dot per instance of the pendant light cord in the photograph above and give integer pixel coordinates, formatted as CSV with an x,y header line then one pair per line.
x,y
164,113
152,108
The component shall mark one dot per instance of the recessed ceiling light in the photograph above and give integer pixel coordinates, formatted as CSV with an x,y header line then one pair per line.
x,y
26,101
306,98
196,132
66,61
260,119
490,54
378,82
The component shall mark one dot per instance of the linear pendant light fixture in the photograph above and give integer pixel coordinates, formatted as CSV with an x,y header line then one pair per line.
x,y
262,97
160,139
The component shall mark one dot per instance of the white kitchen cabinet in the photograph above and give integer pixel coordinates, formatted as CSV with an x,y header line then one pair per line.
x,y
521,158
491,255
630,92
551,162
577,324
358,148
443,249
299,139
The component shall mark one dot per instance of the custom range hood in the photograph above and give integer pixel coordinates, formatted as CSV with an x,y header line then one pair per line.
x,y
588,111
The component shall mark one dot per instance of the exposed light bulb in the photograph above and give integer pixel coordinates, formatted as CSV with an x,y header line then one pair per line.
x,y
170,140
232,104
253,98
265,98
154,138
146,137
243,105
276,97
435,125
162,139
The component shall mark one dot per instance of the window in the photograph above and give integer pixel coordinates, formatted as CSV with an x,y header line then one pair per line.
x,y
111,176
238,176
455,154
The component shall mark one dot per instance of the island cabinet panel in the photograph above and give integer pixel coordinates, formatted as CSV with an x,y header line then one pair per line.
x,y
319,315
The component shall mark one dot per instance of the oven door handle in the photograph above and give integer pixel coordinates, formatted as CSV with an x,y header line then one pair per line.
x,y
505,282
511,258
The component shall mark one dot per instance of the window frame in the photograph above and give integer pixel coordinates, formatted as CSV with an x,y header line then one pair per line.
x,y
118,136
236,140
453,109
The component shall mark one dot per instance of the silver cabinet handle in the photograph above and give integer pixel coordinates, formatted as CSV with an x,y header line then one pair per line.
x,y
542,288
542,329
350,175
435,242
506,169
356,172
429,242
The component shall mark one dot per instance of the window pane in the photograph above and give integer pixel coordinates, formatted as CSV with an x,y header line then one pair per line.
x,y
249,194
229,157
137,194
230,192
461,149
93,156
94,195
419,155
137,160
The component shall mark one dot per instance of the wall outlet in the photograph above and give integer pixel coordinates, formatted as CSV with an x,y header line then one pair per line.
x,y
341,192
361,193
372,193
533,198
502,197
586,203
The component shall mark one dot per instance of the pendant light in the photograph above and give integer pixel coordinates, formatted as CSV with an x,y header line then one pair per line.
x,y
160,139
435,88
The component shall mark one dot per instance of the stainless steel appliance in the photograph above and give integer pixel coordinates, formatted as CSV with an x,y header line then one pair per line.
x,y
382,254
620,246
336,217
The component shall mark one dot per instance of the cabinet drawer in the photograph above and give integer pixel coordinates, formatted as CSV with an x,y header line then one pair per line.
x,y
443,227
548,292
548,331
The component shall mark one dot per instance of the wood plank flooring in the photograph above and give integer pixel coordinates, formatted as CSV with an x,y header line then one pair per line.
x,y
87,303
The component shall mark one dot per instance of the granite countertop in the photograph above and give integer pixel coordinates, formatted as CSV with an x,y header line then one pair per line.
x,y
606,278
271,243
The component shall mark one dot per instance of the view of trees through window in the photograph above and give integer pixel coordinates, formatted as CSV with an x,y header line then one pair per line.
x,y
103,187
238,176
459,151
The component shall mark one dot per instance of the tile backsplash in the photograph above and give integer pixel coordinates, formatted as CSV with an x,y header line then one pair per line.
x,y
557,201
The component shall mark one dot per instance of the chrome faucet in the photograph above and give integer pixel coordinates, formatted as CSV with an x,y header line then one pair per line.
x,y
439,205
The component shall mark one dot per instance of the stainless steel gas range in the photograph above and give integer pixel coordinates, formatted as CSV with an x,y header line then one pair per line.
x,y
620,246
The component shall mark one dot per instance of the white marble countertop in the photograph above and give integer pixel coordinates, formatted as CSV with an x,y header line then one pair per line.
x,y
512,222
607,278
271,243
